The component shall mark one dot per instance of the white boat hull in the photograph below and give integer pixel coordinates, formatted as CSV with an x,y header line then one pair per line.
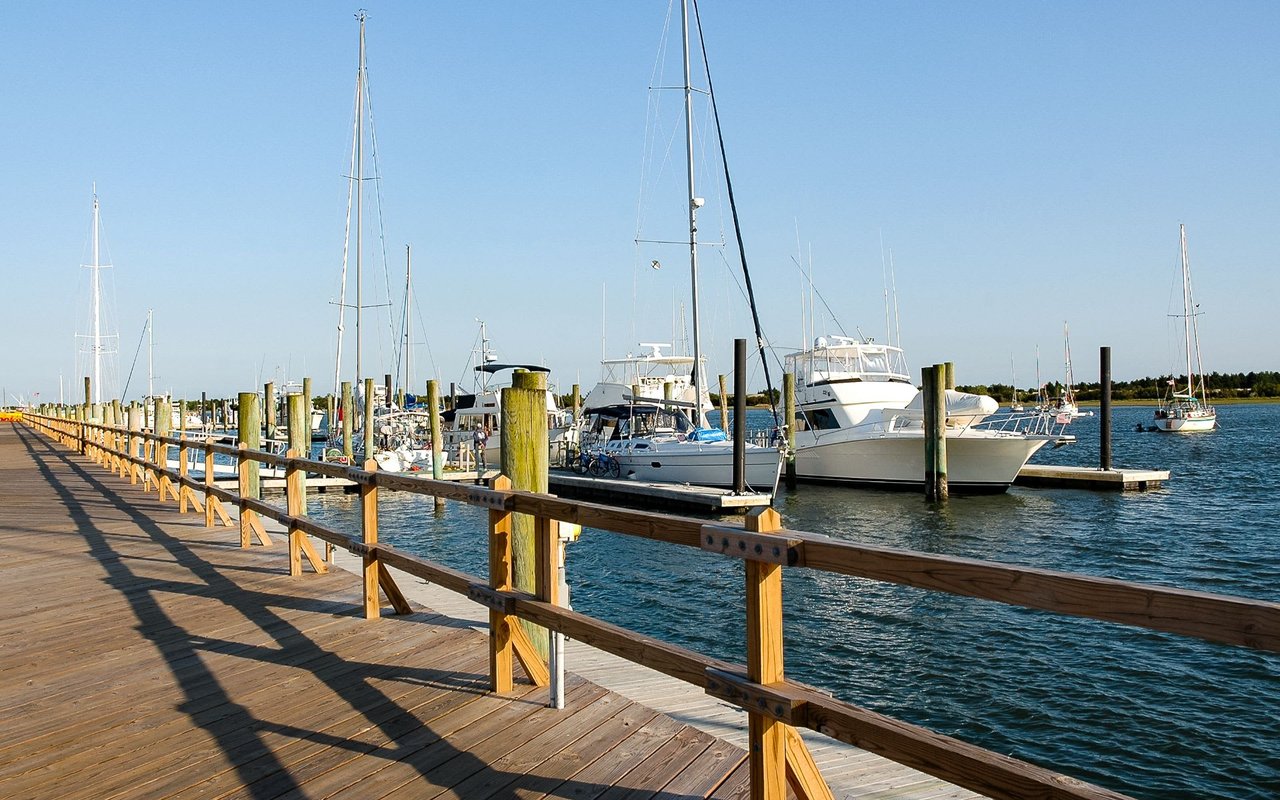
x,y
697,464
1186,424
977,461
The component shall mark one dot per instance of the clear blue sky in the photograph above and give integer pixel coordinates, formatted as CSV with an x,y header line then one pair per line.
x,y
1028,163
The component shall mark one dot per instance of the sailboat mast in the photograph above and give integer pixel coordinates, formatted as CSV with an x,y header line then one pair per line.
x,y
360,84
698,377
97,308
1186,304
151,389
408,305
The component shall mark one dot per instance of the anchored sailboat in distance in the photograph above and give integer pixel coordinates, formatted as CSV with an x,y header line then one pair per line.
x,y
1189,410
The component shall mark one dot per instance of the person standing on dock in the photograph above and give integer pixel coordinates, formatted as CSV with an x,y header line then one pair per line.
x,y
480,441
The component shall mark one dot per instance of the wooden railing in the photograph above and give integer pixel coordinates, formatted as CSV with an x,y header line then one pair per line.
x,y
776,705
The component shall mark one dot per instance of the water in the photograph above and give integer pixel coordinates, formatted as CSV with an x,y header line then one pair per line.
x,y
1148,714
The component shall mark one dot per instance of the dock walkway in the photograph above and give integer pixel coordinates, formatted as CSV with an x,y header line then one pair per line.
x,y
142,655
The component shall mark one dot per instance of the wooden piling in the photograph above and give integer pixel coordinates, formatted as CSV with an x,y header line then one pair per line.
x,y
577,402
386,386
789,414
1104,377
269,417
949,381
249,432
739,416
367,422
348,423
524,459
935,433
437,442
724,406
88,393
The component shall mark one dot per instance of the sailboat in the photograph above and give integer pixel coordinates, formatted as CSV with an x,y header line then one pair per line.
x,y
1014,405
653,435
97,343
1063,408
400,438
1187,410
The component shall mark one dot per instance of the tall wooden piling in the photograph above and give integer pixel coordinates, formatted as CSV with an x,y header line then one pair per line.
x,y
88,390
348,423
437,442
739,416
300,437
1104,378
789,415
306,393
576,402
950,377
205,416
386,386
367,422
249,432
524,459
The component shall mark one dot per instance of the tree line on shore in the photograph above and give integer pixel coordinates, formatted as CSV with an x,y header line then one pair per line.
x,y
1224,385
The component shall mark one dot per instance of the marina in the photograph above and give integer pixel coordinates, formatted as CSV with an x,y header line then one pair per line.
x,y
100,447
703,529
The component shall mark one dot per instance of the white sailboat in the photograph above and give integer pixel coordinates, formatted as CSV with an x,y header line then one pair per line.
x,y
1188,410
658,438
1014,405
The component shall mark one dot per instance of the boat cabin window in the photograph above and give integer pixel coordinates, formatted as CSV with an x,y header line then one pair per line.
x,y
821,419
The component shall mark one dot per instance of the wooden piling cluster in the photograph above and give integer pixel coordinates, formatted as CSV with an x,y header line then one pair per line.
x,y
776,705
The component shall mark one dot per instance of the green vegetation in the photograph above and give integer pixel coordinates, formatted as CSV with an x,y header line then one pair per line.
x,y
1230,386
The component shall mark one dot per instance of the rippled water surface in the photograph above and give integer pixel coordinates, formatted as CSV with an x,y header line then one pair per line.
x,y
1148,714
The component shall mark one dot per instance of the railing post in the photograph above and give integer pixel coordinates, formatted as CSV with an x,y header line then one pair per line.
x,y
501,575
182,473
294,492
767,748
369,535
246,514
208,482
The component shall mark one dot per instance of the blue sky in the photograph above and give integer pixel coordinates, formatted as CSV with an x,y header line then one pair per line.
x,y
1027,163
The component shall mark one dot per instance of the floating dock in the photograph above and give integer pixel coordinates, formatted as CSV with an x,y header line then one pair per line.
x,y
1115,480
654,495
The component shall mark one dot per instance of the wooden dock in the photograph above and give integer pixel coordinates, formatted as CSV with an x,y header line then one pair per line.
x,y
142,655
1115,480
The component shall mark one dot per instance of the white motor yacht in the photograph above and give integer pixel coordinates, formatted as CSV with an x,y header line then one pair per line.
x,y
860,421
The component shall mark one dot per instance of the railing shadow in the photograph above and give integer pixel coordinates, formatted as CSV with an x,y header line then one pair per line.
x,y
208,703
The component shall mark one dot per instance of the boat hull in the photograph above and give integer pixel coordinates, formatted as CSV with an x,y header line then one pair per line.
x,y
1186,424
697,464
977,462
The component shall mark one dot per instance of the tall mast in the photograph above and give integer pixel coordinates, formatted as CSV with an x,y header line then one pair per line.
x,y
151,390
408,315
97,307
1186,304
360,84
695,202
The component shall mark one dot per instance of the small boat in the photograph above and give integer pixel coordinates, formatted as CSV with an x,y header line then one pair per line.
x,y
860,421
1189,410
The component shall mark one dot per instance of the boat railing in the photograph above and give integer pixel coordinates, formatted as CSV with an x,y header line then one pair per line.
x,y
775,704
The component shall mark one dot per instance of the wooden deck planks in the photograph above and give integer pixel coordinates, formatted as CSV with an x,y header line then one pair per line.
x,y
142,655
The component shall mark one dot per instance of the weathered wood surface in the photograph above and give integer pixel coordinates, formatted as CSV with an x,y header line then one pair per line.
x,y
143,655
